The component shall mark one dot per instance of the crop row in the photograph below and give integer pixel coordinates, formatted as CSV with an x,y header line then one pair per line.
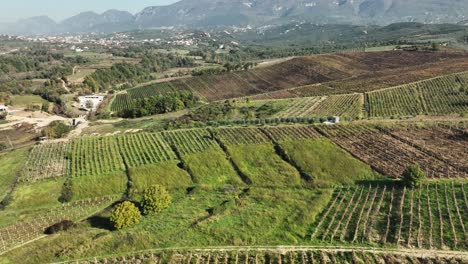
x,y
237,136
430,216
22,232
291,133
45,161
91,156
143,148
190,141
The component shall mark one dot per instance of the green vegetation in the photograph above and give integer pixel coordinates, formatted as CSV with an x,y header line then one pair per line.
x,y
413,176
326,163
56,129
156,104
155,199
166,174
125,215
211,167
37,195
11,164
90,186
263,167
439,96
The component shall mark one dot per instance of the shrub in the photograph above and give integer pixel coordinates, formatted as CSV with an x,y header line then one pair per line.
x,y
124,215
3,115
56,129
60,226
155,199
413,176
67,192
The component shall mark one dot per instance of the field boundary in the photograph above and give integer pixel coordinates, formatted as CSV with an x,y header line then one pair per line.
x,y
285,249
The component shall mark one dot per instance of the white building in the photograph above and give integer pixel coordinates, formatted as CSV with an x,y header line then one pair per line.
x,y
90,102
3,108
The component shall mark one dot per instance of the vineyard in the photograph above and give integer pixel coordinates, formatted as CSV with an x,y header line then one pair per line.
x,y
291,133
430,216
141,149
303,107
238,136
189,141
439,96
45,161
125,100
33,228
387,154
91,156
287,255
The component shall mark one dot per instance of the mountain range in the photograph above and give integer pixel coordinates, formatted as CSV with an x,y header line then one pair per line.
x,y
212,13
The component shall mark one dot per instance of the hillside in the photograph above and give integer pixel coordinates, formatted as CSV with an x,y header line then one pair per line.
x,y
315,75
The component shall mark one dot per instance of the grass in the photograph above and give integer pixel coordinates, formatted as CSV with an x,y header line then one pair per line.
x,y
98,186
38,195
27,100
10,165
258,217
211,167
327,163
261,164
167,174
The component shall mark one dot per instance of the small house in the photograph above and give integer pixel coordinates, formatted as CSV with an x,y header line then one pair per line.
x,y
90,102
3,108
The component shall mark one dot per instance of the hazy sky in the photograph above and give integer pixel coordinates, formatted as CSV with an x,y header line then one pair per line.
x,y
12,10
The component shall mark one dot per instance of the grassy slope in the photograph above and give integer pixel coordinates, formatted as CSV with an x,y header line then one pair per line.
x,y
211,167
326,162
261,164
167,174
10,164
261,216
97,186
36,195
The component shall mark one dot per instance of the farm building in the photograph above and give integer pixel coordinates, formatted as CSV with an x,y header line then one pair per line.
x,y
3,108
90,102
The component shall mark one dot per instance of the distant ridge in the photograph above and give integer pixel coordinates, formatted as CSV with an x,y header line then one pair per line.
x,y
215,13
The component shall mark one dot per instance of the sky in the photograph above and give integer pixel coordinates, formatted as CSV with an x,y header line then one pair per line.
x,y
12,10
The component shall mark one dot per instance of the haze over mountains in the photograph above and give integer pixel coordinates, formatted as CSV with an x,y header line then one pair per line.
x,y
210,13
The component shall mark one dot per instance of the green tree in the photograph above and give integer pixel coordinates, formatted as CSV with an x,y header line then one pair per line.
x,y
45,107
155,199
124,215
413,176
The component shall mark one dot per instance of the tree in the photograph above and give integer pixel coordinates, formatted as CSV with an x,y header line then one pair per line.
x,y
155,199
124,215
413,176
45,107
